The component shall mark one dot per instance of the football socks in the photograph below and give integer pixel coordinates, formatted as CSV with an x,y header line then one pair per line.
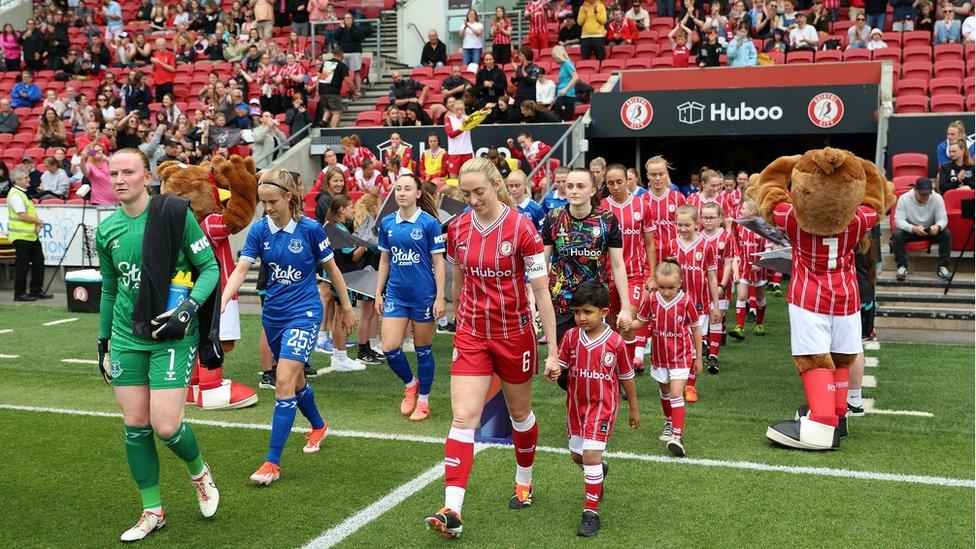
x,y
306,404
425,367
678,415
842,377
593,482
458,459
818,385
715,338
740,313
140,452
398,363
184,444
666,406
281,423
525,434
761,310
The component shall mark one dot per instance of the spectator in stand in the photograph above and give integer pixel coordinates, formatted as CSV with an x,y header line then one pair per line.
x,y
924,15
108,110
54,181
501,37
9,121
136,95
334,73
961,9
957,173
741,51
500,162
777,42
128,134
569,32
955,132
263,17
875,42
536,13
592,18
566,86
455,84
434,52
112,13
819,18
268,81
404,90
10,42
94,165
51,131
299,17
401,151
714,20
143,51
769,20
4,179
545,90
297,117
858,34
678,38
234,51
489,83
350,37
640,16
472,38
921,215
620,30
534,113
804,37
144,13
99,52
948,29
902,15
292,79
25,93
393,118
711,49
968,30
163,62
856,9
267,138
317,14
525,76
789,14
368,179
433,164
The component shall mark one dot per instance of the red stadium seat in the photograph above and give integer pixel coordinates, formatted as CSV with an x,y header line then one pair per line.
x,y
903,182
949,68
52,201
893,39
660,24
799,57
890,54
638,63
958,226
662,63
940,86
778,58
917,70
911,104
442,72
858,54
970,103
947,103
917,54
829,56
367,119
948,52
623,51
609,65
646,51
910,164
421,73
588,65
917,38
911,86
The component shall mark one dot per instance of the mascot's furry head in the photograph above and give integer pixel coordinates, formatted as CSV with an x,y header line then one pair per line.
x,y
826,186
208,186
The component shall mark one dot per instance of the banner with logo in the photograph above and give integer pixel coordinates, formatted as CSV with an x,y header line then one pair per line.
x,y
60,223
730,112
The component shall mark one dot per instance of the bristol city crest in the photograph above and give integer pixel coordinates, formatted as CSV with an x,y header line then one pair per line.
x,y
636,113
608,359
825,110
505,248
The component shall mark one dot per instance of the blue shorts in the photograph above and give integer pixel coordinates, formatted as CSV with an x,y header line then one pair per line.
x,y
292,341
418,312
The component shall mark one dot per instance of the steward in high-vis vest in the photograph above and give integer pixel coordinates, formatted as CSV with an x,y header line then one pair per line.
x,y
23,227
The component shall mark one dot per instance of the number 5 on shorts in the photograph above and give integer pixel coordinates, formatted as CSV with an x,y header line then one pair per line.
x,y
637,293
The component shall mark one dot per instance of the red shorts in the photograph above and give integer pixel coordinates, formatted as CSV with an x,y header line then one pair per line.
x,y
635,290
515,359
455,161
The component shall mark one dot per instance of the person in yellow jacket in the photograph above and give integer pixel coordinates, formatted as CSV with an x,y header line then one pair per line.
x,y
23,228
593,20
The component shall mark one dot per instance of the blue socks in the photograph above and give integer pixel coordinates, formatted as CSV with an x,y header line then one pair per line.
x,y
306,403
398,363
281,423
425,368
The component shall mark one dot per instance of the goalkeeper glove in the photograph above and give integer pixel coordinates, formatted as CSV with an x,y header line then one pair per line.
x,y
104,361
174,323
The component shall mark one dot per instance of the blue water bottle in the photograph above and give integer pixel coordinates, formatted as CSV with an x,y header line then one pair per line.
x,y
179,290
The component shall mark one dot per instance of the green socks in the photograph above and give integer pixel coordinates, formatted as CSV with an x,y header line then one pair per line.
x,y
140,451
184,445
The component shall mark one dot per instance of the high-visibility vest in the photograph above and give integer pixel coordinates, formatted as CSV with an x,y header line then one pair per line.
x,y
17,229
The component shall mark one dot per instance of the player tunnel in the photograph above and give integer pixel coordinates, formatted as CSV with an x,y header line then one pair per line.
x,y
736,119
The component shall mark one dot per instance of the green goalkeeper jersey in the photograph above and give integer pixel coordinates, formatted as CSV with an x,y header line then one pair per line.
x,y
119,243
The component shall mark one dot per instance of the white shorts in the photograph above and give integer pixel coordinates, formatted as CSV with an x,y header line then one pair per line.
x,y
817,334
723,304
230,322
703,325
354,61
758,283
578,444
665,375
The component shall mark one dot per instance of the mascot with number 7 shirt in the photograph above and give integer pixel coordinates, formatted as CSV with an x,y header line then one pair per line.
x,y
826,201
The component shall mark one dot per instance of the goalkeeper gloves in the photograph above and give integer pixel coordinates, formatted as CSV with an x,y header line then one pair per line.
x,y
104,361
174,323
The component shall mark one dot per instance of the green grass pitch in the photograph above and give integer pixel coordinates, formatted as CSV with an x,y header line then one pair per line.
x,y
65,481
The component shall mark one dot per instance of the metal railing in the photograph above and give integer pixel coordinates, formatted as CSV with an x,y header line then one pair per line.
x,y
566,145
292,139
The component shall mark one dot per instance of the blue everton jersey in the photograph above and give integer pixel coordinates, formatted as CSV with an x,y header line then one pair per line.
x,y
531,209
292,255
410,243
640,191
550,201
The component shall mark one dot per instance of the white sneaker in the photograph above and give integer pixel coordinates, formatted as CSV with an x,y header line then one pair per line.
x,y
943,273
901,274
347,365
148,523
377,347
207,495
407,346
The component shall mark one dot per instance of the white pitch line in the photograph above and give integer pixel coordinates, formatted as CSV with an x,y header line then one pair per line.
x,y
870,409
869,381
872,345
78,361
747,465
62,321
871,361
9,356
7,331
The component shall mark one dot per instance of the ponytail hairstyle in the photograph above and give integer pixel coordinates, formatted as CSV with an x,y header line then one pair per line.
x,y
484,167
363,209
338,203
288,185
426,200
668,267
354,139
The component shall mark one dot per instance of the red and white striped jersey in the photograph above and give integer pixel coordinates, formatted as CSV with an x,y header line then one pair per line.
x,y
823,279
662,209
670,324
750,244
725,249
696,259
538,19
217,233
634,217
698,200
592,390
354,161
732,203
495,260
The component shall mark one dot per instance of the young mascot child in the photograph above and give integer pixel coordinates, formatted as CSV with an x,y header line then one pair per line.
x,y
752,276
726,255
672,318
598,364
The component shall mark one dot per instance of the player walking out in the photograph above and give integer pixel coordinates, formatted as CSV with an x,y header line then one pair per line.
x,y
412,274
597,360
292,246
671,314
752,276
150,371
662,200
640,254
697,259
726,256
493,249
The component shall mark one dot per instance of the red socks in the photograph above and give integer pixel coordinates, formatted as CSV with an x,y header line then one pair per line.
x,y
714,338
818,385
678,415
458,457
842,377
666,407
525,434
740,313
593,482
761,311
692,377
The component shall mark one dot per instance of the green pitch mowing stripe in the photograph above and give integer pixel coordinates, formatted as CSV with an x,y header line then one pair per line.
x,y
66,483
660,505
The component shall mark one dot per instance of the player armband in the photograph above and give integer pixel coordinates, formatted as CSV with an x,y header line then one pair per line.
x,y
535,266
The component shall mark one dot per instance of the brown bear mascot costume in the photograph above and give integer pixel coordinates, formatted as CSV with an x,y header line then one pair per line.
x,y
223,197
826,201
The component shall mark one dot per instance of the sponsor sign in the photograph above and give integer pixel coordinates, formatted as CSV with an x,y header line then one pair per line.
x,y
59,225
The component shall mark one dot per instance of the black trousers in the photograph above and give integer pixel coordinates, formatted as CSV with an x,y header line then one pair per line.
x,y
30,256
595,46
899,238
